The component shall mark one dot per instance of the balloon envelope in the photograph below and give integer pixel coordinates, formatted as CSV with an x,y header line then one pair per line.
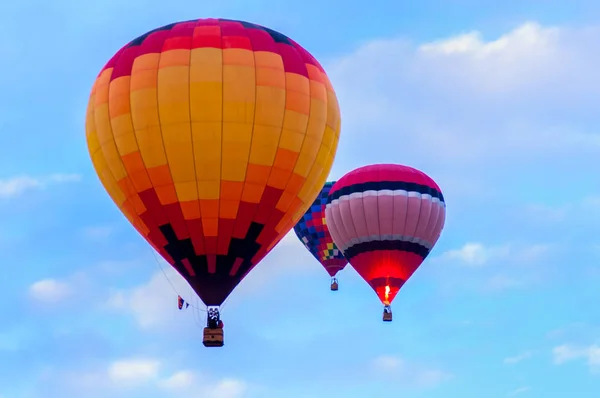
x,y
386,218
313,233
213,137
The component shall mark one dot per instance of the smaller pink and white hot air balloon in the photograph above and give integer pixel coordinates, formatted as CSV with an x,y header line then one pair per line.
x,y
385,218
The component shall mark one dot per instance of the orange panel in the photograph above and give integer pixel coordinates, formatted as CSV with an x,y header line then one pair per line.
x,y
160,175
231,190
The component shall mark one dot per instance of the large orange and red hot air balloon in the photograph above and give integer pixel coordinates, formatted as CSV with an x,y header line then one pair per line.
x,y
213,137
386,218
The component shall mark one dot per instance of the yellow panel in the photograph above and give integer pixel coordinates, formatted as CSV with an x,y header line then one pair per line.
x,y
126,143
173,95
206,99
207,151
264,145
145,62
151,146
102,121
270,106
295,121
297,83
186,191
291,140
178,145
118,96
206,65
90,128
238,56
315,74
318,91
113,159
268,59
144,79
238,85
144,108
170,58
235,152
107,179
307,156
270,77
328,138
101,87
333,112
121,125
209,190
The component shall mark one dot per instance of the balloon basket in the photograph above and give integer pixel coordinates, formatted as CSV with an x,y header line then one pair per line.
x,y
387,314
334,286
213,337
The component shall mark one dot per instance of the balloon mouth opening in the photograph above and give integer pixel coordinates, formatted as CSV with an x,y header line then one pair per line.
x,y
386,299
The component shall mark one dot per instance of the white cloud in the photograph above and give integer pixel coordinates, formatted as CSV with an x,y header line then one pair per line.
x,y
567,353
409,373
519,391
477,254
153,304
133,371
97,232
16,186
180,380
518,358
49,290
130,375
483,111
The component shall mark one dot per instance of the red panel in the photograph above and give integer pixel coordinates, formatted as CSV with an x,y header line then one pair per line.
x,y
292,61
232,28
224,238
197,236
156,237
207,22
386,264
245,215
188,267
210,244
152,203
207,36
176,220
307,57
236,42
111,62
267,204
178,43
261,40
384,172
236,266
124,63
211,260
154,43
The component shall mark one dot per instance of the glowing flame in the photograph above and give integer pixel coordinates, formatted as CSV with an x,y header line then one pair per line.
x,y
387,294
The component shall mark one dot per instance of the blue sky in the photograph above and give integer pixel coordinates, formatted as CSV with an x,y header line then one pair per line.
x,y
497,101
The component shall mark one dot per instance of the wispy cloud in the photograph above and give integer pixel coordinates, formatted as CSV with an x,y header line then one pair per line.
x,y
519,391
410,373
567,353
16,186
518,358
50,290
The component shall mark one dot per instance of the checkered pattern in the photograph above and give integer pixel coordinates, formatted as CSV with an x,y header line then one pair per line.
x,y
313,232
213,137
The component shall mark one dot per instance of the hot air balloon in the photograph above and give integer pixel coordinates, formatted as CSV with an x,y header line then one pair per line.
x,y
386,218
213,137
313,233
